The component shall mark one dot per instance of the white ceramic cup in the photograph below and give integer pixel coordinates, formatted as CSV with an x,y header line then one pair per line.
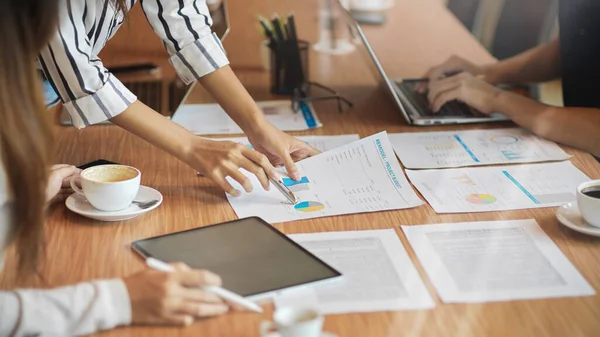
x,y
109,188
294,322
588,206
371,5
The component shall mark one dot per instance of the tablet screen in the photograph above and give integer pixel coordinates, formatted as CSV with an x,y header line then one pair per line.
x,y
251,256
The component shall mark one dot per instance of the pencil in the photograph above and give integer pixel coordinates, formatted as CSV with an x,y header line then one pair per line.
x,y
268,31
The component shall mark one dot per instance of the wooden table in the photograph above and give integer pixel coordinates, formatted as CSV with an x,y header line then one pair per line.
x,y
419,34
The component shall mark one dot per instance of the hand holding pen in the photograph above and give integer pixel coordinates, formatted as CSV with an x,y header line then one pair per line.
x,y
213,288
255,163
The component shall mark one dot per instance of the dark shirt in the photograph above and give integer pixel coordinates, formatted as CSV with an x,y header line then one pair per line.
x,y
580,52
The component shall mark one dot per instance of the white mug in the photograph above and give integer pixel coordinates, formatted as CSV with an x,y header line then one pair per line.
x,y
371,5
588,206
294,322
109,188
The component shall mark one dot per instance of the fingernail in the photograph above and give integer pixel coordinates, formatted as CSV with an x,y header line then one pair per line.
x,y
189,320
213,279
236,193
295,176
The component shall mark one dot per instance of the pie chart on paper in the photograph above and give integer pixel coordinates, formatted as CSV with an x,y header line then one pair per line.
x,y
504,139
309,206
481,199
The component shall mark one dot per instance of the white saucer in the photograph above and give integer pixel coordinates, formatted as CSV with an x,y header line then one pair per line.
x,y
81,206
570,216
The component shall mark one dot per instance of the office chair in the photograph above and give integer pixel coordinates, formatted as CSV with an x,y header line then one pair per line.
x,y
465,11
509,27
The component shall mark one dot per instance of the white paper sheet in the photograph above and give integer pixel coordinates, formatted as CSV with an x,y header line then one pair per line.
x,y
377,273
321,143
494,261
422,150
484,189
211,119
363,176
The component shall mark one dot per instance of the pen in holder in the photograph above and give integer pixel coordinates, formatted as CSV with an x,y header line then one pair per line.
x,y
289,66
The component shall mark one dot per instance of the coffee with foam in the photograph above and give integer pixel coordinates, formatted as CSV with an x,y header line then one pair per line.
x,y
110,173
109,188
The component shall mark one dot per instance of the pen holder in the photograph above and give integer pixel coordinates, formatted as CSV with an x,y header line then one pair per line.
x,y
289,67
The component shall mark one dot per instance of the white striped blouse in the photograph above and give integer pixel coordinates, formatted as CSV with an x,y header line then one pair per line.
x,y
89,92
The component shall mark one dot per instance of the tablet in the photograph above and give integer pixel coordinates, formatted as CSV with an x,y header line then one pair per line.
x,y
253,258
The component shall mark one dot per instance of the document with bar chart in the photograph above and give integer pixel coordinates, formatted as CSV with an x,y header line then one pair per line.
x,y
484,189
425,150
363,176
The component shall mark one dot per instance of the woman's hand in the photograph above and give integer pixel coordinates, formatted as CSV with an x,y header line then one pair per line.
x,y
59,187
453,65
466,88
280,148
173,298
220,159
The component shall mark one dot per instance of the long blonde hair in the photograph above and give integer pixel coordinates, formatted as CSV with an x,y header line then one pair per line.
x,y
25,134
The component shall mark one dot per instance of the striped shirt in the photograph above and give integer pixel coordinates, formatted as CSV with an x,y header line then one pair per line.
x,y
89,92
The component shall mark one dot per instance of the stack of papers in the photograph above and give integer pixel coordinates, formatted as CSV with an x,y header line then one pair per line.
x,y
211,119
494,261
363,176
377,273
485,189
424,150
321,143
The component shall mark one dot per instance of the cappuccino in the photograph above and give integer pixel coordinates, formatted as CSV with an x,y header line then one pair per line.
x,y
109,173
109,188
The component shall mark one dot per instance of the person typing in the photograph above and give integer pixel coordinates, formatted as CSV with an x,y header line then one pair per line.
x,y
573,56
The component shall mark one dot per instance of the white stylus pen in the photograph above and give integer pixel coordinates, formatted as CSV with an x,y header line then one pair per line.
x,y
221,292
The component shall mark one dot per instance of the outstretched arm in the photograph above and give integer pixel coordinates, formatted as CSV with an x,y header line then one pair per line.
x,y
577,127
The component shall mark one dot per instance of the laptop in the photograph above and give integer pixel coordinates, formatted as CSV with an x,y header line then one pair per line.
x,y
414,105
145,80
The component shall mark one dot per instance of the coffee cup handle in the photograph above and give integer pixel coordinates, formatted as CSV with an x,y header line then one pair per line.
x,y
266,327
75,187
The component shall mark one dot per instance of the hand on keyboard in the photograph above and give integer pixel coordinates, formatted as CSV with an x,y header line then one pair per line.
x,y
465,88
421,102
453,65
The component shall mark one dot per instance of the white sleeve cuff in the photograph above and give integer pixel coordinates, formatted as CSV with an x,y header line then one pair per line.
x,y
10,312
115,298
112,99
199,58
81,309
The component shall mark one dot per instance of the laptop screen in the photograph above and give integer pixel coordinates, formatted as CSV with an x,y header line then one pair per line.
x,y
369,57
220,18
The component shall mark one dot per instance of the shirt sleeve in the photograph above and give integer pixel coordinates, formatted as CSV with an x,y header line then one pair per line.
x,y
89,92
184,27
76,310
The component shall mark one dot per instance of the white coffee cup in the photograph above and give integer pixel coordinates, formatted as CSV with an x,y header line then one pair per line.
x,y
371,5
109,188
588,206
294,322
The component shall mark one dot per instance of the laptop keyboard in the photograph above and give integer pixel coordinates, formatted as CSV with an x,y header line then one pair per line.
x,y
421,103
